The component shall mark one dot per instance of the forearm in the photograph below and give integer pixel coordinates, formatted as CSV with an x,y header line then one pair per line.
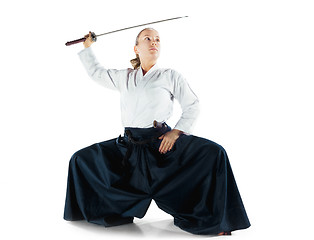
x,y
98,73
188,118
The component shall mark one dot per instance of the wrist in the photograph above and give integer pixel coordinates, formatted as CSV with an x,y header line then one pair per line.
x,y
177,131
87,45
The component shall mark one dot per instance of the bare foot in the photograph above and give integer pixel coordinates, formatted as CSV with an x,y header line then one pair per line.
x,y
224,233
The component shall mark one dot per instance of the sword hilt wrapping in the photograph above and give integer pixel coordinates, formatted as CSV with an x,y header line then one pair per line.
x,y
94,38
75,41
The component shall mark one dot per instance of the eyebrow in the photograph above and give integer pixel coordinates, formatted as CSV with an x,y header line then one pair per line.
x,y
150,36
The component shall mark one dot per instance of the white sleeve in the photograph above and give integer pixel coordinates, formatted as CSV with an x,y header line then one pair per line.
x,y
189,103
108,78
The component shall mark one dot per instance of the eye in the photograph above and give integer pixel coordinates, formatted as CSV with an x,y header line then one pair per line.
x,y
157,40
147,38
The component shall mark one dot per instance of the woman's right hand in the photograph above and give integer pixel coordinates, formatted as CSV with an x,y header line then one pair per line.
x,y
88,42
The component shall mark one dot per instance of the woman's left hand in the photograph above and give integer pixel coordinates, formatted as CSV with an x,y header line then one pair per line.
x,y
168,140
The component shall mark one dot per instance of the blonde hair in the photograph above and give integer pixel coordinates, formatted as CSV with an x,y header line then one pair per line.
x,y
136,62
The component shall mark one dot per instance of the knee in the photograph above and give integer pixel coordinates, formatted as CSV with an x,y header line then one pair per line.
x,y
78,153
75,159
218,154
81,155
214,147
221,159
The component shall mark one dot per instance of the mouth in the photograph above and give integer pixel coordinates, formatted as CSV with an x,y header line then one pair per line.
x,y
153,49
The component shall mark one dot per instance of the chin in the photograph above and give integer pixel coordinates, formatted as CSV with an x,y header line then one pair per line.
x,y
156,55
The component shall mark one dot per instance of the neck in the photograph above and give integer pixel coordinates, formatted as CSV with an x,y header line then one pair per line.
x,y
146,66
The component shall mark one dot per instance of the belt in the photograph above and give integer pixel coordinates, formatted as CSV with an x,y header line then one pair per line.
x,y
158,125
131,141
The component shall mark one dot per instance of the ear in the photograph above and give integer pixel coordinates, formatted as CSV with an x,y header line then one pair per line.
x,y
136,50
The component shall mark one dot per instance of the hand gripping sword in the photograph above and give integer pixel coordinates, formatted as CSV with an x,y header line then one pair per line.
x,y
94,36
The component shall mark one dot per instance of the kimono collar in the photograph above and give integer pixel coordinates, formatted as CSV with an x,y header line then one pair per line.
x,y
150,70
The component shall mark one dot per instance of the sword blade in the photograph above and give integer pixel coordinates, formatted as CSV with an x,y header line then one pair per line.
x,y
122,29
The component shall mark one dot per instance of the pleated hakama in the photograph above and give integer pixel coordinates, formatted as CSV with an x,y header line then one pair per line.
x,y
193,182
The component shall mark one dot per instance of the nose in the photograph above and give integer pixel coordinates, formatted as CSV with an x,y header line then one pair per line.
x,y
154,42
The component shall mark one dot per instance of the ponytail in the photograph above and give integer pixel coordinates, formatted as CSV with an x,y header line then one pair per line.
x,y
136,62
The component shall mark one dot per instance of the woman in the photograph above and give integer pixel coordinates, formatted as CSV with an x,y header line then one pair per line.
x,y
189,177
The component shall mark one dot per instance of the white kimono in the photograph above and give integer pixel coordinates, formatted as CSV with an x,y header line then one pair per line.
x,y
144,99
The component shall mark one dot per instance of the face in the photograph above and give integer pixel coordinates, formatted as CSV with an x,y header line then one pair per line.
x,y
148,47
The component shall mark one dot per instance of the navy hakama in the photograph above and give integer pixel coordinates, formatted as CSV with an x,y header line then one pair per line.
x,y
111,182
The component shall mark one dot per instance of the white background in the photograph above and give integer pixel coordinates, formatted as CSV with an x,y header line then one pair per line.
x,y
249,62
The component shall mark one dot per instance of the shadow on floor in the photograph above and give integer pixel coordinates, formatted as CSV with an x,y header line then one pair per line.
x,y
140,228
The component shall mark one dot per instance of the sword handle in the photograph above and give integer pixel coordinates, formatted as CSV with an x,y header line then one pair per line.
x,y
159,124
93,35
75,41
